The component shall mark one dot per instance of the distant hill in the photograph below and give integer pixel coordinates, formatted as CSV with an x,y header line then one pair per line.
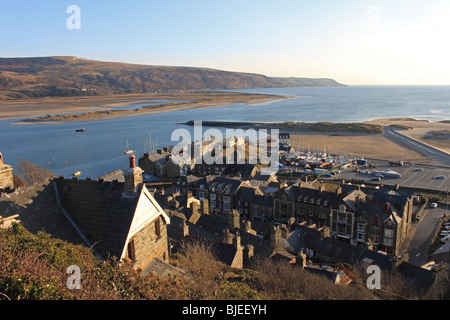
x,y
72,76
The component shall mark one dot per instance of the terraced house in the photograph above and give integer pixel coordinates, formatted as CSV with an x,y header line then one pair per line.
x,y
220,191
374,218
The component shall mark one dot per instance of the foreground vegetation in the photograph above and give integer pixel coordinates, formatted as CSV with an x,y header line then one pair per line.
x,y
33,267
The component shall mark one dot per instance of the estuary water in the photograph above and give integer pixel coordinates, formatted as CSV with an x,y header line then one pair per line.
x,y
99,150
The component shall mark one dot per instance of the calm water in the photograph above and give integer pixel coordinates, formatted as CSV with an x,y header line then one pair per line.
x,y
99,150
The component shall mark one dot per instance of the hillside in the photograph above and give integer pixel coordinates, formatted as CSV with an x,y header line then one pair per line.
x,y
72,76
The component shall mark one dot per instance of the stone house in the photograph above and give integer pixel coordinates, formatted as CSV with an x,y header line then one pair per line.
x,y
115,219
6,176
177,170
154,164
219,191
383,220
261,208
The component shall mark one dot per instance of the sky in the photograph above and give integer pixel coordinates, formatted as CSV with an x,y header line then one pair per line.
x,y
356,42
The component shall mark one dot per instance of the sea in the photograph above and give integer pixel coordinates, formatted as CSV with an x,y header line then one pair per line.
x,y
100,148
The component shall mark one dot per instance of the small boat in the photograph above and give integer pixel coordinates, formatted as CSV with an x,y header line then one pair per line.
x,y
80,130
128,151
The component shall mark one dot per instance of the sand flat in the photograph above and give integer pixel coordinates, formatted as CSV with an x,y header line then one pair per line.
x,y
42,107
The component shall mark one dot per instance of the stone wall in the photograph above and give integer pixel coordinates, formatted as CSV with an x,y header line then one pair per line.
x,y
147,245
6,177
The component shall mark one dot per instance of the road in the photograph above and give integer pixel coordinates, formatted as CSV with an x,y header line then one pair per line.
x,y
421,234
415,145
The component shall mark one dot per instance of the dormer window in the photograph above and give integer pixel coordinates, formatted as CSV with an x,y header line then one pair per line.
x,y
325,202
305,199
318,202
202,186
342,208
312,200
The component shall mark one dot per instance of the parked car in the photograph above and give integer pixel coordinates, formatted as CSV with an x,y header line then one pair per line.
x,y
433,205
419,169
445,239
441,176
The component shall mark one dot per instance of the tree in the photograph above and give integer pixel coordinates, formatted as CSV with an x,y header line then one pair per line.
x,y
32,173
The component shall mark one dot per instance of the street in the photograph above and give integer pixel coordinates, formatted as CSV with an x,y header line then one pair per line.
x,y
421,234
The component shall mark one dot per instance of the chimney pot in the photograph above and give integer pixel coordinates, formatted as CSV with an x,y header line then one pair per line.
x,y
132,162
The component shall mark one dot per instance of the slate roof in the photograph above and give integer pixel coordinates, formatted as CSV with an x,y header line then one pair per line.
x,y
222,251
38,211
246,194
100,211
245,170
222,183
343,252
265,201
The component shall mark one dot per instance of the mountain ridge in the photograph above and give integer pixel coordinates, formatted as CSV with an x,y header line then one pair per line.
x,y
72,76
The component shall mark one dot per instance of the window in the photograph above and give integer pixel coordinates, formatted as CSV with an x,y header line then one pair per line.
x,y
388,242
360,236
388,233
226,206
312,200
212,196
342,208
311,213
342,220
226,199
318,202
361,227
213,203
325,203
201,195
157,229
131,251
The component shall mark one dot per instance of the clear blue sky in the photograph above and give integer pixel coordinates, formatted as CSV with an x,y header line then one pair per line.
x,y
351,41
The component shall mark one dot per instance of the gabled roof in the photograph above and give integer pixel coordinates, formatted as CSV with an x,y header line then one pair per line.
x,y
221,184
100,211
103,214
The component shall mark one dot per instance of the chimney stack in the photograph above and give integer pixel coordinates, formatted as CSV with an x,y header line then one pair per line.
x,y
133,178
